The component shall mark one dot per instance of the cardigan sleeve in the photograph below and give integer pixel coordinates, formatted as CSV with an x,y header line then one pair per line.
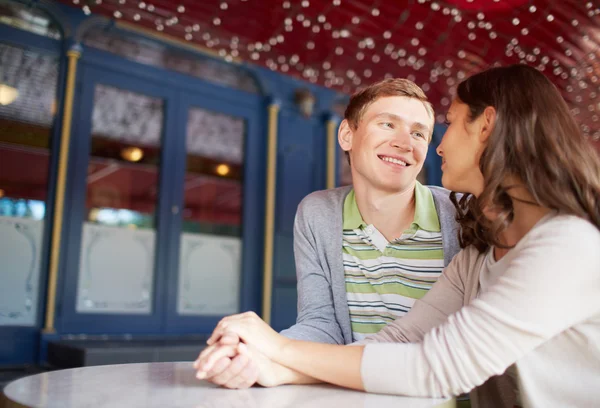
x,y
316,319
549,283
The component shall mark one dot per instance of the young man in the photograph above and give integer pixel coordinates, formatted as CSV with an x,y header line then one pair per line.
x,y
365,253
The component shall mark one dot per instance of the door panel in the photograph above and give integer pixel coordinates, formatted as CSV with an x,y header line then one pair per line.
x,y
118,211
210,236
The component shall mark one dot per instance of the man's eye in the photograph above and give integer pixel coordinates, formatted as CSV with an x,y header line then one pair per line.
x,y
388,125
419,134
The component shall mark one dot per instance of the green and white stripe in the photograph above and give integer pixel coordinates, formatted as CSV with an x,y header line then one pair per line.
x,y
383,279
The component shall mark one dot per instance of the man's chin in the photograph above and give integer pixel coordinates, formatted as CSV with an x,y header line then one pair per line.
x,y
394,187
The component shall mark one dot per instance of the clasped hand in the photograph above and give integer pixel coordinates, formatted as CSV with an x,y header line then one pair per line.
x,y
240,352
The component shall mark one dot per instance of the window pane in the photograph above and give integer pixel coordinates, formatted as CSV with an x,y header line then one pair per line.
x,y
155,54
117,253
27,107
210,255
28,18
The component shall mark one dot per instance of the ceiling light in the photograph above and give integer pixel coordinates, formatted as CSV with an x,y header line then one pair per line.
x,y
132,154
222,169
8,94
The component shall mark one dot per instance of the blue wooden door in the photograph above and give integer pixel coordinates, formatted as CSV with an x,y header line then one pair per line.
x,y
119,208
215,241
166,200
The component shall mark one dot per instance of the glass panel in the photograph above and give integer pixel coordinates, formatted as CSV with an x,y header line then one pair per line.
x,y
117,253
158,55
27,106
28,18
210,254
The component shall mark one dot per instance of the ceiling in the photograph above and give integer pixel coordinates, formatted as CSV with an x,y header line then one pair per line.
x,y
345,44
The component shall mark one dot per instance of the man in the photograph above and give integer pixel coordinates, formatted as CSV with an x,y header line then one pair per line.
x,y
365,253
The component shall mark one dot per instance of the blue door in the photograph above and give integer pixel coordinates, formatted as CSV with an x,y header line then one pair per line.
x,y
164,234
216,240
119,208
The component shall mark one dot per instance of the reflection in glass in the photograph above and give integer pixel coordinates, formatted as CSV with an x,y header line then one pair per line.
x,y
210,246
26,120
123,171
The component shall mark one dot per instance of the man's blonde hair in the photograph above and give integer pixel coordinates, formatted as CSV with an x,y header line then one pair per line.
x,y
361,100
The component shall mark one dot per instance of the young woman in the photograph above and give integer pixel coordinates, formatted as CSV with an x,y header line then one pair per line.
x,y
515,317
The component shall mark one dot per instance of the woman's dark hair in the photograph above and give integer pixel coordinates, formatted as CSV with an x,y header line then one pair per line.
x,y
536,139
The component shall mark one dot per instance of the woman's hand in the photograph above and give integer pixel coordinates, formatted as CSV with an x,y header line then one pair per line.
x,y
257,368
252,330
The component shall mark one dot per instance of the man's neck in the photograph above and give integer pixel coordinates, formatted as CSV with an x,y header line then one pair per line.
x,y
390,212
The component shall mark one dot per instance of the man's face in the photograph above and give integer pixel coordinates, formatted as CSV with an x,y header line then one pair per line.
x,y
388,149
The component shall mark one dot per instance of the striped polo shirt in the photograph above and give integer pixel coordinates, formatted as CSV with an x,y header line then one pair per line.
x,y
383,279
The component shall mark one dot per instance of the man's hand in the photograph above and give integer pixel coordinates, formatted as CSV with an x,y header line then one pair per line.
x,y
238,367
252,330
233,369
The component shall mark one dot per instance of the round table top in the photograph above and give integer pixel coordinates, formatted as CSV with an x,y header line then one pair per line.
x,y
174,385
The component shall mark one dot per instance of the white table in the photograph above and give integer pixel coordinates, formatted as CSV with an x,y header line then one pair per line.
x,y
173,385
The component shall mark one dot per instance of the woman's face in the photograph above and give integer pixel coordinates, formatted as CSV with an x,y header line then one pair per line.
x,y
460,149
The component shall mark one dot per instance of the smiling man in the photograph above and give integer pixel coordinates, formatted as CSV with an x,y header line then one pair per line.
x,y
365,253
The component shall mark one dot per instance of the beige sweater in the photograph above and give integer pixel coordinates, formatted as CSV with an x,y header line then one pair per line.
x,y
535,311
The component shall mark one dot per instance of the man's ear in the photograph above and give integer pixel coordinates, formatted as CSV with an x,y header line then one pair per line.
x,y
489,121
345,135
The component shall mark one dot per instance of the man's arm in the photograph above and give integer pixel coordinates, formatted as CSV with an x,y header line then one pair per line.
x,y
316,312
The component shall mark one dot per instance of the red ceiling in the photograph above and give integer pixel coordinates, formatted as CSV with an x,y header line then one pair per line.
x,y
345,44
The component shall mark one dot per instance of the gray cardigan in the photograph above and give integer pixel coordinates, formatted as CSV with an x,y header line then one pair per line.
x,y
323,314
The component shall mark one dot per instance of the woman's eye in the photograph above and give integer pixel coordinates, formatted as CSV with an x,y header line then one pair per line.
x,y
419,134
388,125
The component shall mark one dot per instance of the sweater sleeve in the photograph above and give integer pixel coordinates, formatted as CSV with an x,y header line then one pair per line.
x,y
549,283
316,319
444,298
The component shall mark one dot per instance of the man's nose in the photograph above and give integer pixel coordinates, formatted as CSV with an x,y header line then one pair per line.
x,y
402,140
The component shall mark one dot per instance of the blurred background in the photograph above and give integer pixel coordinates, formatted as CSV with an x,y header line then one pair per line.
x,y
153,153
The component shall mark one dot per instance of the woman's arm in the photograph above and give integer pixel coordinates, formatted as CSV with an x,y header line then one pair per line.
x,y
550,284
322,361
446,297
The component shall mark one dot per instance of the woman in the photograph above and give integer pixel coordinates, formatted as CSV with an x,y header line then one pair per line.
x,y
516,315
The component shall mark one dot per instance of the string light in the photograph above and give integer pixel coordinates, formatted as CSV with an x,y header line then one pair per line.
x,y
381,48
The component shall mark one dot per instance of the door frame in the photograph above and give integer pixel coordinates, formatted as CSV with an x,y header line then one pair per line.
x,y
252,206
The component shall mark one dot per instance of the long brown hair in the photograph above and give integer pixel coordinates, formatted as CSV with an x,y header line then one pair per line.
x,y
536,139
